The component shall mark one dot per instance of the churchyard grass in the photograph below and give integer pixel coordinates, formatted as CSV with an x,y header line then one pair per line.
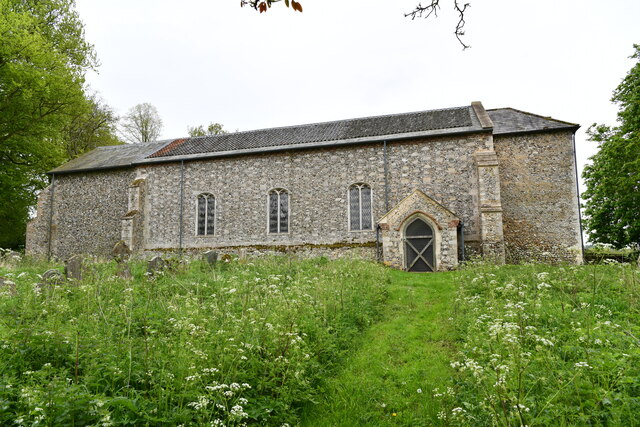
x,y
242,342
487,345
544,345
323,343
387,379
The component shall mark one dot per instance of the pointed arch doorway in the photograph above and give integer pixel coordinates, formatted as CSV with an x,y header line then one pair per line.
x,y
419,245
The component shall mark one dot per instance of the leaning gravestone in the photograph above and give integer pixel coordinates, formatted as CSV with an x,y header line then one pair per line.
x,y
74,267
51,278
121,251
211,257
156,265
121,254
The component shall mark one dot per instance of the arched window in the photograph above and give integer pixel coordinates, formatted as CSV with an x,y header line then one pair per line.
x,y
206,215
360,202
278,211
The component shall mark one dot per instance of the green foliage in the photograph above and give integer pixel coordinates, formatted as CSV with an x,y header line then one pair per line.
x,y
605,253
43,60
546,346
243,342
94,125
212,129
612,213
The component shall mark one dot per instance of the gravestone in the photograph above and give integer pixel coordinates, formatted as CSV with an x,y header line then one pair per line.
x,y
7,284
155,265
74,267
123,271
51,278
10,257
121,251
211,257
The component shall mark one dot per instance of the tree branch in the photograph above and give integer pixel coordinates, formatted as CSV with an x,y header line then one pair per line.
x,y
432,9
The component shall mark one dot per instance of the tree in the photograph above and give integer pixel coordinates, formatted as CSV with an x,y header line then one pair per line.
x,y
43,61
94,126
141,124
419,11
212,129
612,207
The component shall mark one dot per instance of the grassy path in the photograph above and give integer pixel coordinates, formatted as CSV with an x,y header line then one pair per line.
x,y
408,351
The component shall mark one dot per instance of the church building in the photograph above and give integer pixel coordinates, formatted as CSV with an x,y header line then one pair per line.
x,y
418,191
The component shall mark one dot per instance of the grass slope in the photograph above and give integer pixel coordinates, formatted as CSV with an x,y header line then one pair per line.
x,y
243,343
322,343
388,380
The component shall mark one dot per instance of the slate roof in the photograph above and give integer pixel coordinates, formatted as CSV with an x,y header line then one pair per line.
x,y
509,121
111,157
328,133
344,132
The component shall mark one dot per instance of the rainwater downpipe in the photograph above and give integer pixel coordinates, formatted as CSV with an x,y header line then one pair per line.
x,y
181,204
386,177
53,189
378,243
575,166
462,254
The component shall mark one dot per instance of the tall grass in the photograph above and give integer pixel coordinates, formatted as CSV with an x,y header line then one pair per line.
x,y
545,346
233,345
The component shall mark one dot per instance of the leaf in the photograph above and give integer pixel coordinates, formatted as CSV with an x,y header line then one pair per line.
x,y
296,6
286,2
262,7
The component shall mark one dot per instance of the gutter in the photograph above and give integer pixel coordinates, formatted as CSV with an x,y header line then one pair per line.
x,y
575,166
180,227
51,200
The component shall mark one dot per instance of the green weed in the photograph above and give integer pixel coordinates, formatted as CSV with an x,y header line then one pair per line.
x,y
243,343
545,346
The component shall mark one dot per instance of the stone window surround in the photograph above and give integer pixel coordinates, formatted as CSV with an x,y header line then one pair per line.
x,y
280,190
359,184
437,237
215,214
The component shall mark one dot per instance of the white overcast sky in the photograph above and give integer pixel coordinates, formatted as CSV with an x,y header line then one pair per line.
x,y
201,61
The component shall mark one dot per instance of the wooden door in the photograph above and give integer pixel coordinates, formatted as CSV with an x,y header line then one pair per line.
x,y
418,246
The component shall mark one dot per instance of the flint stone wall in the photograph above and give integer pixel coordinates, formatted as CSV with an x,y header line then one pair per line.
x,y
318,182
357,251
37,241
537,193
87,209
539,197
